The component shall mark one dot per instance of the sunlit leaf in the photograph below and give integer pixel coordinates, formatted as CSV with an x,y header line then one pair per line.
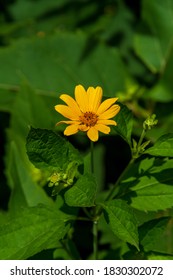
x,y
122,221
150,185
153,235
163,146
157,256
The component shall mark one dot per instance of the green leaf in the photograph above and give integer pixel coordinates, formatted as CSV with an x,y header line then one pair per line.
x,y
35,229
22,176
154,235
154,48
48,150
122,221
58,68
24,112
124,121
22,9
25,192
7,98
4,217
148,48
29,109
157,256
83,192
163,146
149,185
162,91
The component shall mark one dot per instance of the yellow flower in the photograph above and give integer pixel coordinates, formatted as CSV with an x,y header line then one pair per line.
x,y
87,113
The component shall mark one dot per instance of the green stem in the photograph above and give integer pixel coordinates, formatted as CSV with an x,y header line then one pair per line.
x,y
88,214
92,156
95,222
67,249
81,219
112,192
95,239
141,138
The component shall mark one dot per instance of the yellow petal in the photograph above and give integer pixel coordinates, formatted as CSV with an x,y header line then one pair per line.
x,y
106,105
93,134
67,112
83,127
71,129
68,122
71,103
95,97
103,128
110,113
81,97
107,122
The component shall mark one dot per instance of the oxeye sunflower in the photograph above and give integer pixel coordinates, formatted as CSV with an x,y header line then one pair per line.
x,y
87,113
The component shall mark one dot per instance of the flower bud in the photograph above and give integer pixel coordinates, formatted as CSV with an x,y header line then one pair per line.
x,y
150,122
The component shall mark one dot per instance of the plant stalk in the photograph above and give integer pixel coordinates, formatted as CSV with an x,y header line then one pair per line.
x,y
95,240
92,156
111,194
141,138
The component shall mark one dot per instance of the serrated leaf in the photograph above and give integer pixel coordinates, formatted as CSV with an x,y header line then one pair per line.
x,y
149,187
124,121
83,192
35,229
153,235
122,221
46,149
163,146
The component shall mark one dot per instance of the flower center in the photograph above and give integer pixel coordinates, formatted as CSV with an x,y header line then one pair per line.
x,y
89,119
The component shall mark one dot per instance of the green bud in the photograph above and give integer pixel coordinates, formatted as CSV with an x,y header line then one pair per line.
x,y
59,180
150,122
55,177
64,177
50,184
70,181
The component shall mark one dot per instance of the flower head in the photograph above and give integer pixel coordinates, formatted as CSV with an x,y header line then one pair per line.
x,y
87,113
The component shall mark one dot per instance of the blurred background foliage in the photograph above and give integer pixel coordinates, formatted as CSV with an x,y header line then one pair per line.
x,y
48,47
